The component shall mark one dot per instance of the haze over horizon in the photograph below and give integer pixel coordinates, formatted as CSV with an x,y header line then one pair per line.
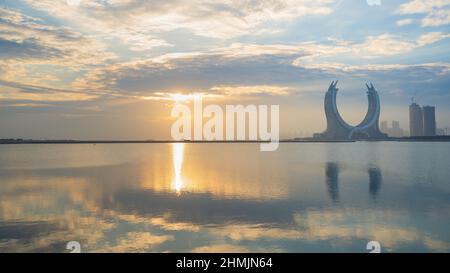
x,y
112,69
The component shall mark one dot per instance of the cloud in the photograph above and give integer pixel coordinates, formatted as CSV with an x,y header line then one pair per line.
x,y
27,39
42,63
438,68
404,22
208,18
389,45
34,93
437,12
224,91
430,38
35,55
237,65
230,248
248,69
136,242
384,45
327,226
237,70
251,90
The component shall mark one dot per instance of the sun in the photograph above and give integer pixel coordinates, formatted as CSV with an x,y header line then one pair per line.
x,y
185,97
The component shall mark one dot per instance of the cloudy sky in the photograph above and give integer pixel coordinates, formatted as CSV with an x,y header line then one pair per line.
x,y
110,69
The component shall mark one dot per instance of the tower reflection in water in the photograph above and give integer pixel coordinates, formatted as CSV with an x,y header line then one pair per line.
x,y
332,181
178,156
375,180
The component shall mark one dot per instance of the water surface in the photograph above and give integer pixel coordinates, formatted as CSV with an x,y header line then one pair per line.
x,y
305,197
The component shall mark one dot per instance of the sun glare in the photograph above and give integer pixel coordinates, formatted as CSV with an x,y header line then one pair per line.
x,y
178,154
185,97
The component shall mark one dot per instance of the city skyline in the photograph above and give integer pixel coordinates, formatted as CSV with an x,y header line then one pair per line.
x,y
422,120
395,130
71,69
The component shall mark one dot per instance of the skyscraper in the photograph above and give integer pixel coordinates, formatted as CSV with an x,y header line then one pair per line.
x,y
415,120
396,130
429,121
440,132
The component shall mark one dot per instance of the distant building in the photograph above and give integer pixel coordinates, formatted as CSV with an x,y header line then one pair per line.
x,y
429,121
441,132
384,126
394,131
415,120
422,120
396,124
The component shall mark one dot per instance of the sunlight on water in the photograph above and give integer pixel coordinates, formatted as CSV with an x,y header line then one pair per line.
x,y
322,197
178,155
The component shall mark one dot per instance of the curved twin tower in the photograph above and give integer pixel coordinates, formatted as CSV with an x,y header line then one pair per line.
x,y
337,128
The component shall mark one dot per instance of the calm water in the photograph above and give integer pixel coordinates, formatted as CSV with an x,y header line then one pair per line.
x,y
319,197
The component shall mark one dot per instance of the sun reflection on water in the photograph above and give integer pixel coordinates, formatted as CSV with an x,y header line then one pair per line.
x,y
178,154
222,201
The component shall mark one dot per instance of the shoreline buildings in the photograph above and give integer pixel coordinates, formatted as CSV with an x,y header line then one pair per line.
x,y
422,120
429,121
394,131
337,128
415,120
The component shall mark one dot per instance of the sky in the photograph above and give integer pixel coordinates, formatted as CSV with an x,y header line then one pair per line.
x,y
113,69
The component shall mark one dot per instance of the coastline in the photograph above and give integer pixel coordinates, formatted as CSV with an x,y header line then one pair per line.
x,y
296,140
